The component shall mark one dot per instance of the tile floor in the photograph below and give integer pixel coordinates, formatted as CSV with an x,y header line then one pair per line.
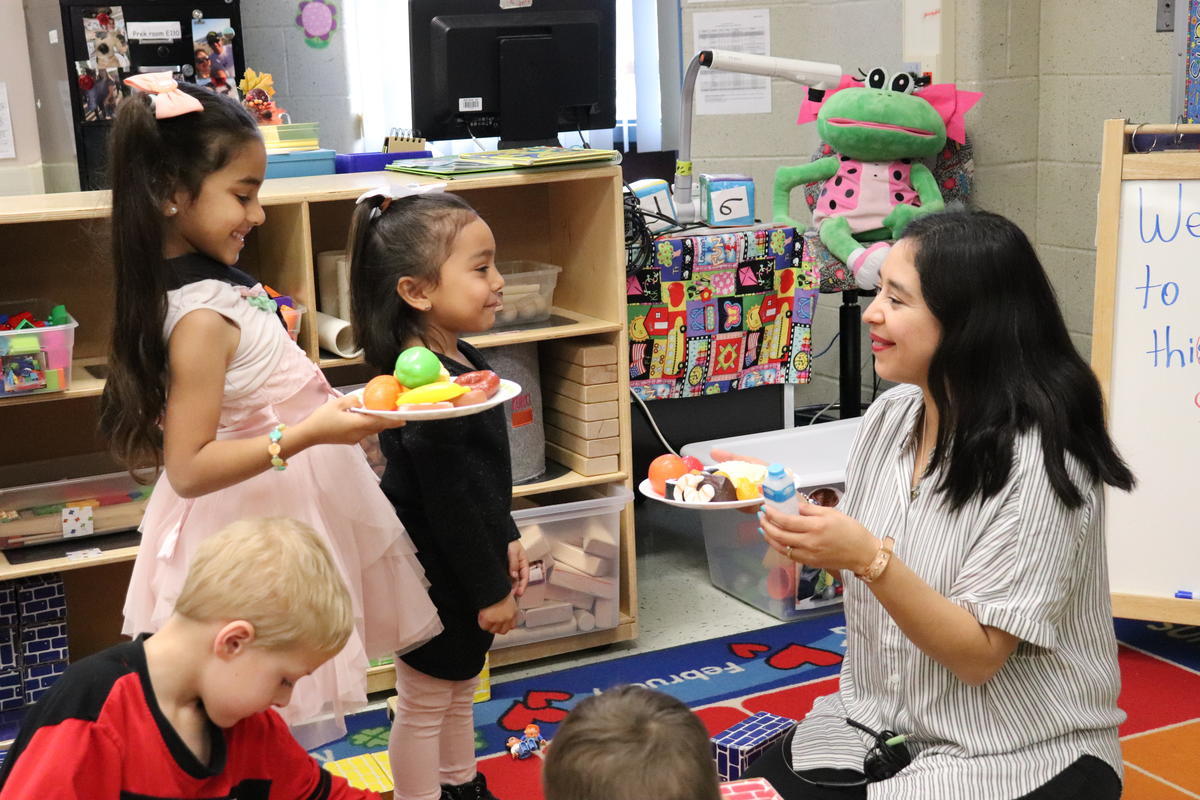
x,y
677,602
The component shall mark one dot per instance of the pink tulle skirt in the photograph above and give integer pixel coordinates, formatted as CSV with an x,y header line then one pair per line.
x,y
332,489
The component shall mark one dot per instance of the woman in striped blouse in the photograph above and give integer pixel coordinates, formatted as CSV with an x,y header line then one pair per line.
x,y
971,542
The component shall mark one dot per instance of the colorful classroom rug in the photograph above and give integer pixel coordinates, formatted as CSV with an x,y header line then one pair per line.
x,y
782,669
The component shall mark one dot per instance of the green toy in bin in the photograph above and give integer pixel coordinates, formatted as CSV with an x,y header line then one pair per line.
x,y
35,357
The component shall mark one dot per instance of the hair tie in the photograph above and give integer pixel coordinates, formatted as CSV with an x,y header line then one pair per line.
x,y
165,95
388,193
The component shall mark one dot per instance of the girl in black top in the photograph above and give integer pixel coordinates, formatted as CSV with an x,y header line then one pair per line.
x,y
422,272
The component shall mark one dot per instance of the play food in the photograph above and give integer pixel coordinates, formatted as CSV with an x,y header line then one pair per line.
x,y
665,468
416,367
381,392
435,392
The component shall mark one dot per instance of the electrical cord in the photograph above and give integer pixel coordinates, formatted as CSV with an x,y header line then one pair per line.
x,y
472,133
639,239
654,425
831,342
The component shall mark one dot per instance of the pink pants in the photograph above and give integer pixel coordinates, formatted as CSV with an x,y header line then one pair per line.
x,y
433,737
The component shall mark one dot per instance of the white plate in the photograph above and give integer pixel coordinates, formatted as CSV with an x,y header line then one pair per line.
x,y
645,488
507,391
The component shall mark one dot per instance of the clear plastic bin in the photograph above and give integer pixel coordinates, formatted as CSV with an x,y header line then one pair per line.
x,y
36,360
739,559
528,292
574,549
33,514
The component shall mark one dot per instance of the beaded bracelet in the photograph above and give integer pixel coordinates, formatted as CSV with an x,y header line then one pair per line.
x,y
274,449
878,564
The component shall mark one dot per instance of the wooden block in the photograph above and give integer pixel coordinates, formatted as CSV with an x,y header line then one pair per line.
x,y
605,373
535,595
584,352
548,614
584,621
535,544
573,556
588,412
587,467
579,600
600,544
526,635
585,447
571,578
598,393
606,612
599,429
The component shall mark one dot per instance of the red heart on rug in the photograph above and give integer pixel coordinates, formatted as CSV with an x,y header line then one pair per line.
x,y
796,655
747,649
542,699
537,708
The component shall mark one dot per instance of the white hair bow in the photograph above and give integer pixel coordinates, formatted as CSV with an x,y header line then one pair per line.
x,y
394,191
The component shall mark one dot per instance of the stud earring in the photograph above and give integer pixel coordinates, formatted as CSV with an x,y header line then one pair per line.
x,y
172,211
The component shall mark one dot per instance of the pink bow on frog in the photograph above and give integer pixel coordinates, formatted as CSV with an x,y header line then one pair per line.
x,y
164,92
950,102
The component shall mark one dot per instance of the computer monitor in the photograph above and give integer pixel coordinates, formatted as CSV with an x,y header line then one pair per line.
x,y
480,68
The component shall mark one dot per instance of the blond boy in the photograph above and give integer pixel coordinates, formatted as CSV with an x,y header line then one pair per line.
x,y
186,713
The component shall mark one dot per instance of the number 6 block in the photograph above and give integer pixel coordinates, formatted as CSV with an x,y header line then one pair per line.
x,y
726,200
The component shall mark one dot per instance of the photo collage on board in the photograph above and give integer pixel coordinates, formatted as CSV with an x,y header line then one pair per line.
x,y
108,36
99,77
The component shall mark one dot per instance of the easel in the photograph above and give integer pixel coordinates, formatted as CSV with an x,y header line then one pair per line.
x,y
1151,412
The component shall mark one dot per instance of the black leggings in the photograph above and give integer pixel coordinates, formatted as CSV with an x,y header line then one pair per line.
x,y
1088,778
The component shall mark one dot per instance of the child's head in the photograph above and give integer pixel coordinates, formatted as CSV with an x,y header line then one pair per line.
x,y
630,743
419,265
270,591
179,184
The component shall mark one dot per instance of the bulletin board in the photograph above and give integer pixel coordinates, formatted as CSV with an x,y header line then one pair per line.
x,y
1146,353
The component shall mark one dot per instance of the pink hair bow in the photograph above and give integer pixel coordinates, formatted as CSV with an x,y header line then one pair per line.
x,y
950,102
164,92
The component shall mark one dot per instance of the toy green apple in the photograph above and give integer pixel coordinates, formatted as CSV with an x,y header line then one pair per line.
x,y
417,366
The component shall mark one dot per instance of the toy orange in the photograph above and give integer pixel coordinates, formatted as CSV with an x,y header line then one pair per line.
x,y
665,468
381,392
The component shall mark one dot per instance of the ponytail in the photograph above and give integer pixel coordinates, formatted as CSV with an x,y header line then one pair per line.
x,y
409,237
149,161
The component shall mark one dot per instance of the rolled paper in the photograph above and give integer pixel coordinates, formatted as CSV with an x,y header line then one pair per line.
x,y
333,283
337,336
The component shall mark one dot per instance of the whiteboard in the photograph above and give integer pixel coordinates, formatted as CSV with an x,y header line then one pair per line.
x,y
1154,389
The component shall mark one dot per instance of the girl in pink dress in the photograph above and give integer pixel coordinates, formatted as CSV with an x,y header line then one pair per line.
x,y
205,381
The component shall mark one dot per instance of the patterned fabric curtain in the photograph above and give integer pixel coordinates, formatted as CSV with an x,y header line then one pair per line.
x,y
719,312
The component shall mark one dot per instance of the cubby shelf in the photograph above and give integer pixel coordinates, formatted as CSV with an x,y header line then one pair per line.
x,y
57,249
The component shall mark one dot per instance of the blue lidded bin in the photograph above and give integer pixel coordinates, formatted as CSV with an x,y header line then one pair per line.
x,y
372,162
300,164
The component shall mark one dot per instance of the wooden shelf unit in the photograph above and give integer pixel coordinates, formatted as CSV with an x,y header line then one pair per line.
x,y
58,249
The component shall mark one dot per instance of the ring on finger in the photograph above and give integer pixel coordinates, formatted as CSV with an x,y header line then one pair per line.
x,y
789,552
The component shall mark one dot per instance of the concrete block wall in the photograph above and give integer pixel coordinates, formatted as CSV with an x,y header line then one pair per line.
x,y
312,84
1051,71
1099,59
852,34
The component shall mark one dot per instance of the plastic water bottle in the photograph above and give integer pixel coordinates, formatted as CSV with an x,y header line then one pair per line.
x,y
779,490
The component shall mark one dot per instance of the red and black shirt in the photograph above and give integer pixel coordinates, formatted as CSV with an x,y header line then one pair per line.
x,y
99,733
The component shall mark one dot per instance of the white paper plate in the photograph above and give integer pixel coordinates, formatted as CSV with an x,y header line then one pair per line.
x,y
645,488
507,391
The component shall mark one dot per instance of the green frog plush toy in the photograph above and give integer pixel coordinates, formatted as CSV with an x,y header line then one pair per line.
x,y
874,183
